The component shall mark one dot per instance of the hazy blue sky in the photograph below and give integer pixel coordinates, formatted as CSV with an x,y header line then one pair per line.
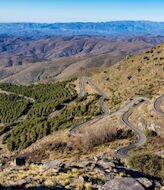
x,y
80,10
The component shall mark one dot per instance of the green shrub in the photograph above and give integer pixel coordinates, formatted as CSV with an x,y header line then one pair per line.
x,y
37,125
149,164
150,133
11,107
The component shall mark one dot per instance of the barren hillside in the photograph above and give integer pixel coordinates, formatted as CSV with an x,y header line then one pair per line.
x,y
27,60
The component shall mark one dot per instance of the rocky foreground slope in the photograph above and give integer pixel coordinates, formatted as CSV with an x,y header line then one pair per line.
x,y
101,172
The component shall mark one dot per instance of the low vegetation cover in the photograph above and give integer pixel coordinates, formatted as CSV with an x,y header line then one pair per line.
x,y
59,91
149,164
11,107
139,75
61,97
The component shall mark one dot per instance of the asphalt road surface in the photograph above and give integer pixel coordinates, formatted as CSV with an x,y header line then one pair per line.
x,y
157,108
157,105
127,110
72,131
141,138
82,87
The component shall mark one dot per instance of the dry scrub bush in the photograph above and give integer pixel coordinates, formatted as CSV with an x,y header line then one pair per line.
x,y
91,137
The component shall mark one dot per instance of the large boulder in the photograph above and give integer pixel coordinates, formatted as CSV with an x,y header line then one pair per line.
x,y
126,183
83,164
56,165
20,161
145,182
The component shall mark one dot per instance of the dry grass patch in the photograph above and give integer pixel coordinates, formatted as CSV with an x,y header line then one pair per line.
x,y
135,76
41,176
92,137
145,118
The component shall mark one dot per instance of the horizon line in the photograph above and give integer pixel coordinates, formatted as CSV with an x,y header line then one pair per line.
x,y
70,22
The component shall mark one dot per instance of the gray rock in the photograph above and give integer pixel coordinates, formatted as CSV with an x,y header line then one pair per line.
x,y
82,164
144,181
126,183
157,184
55,164
26,181
112,164
96,158
99,169
110,176
59,187
84,179
105,164
1,164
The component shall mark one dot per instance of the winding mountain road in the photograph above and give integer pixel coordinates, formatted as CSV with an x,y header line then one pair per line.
x,y
102,103
72,131
127,110
93,85
123,152
157,108
157,105
31,100
103,106
82,87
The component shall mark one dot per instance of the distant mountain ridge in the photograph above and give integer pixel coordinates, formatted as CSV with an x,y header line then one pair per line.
x,y
114,28
33,52
25,60
22,50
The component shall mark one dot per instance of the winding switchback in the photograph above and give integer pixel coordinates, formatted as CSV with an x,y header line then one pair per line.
x,y
91,83
123,152
157,105
72,131
102,103
82,87
127,110
31,100
157,108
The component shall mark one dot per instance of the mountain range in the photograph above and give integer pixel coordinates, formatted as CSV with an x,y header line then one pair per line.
x,y
26,60
115,28
33,52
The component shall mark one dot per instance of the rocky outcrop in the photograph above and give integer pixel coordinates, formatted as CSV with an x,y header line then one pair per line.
x,y
101,172
126,183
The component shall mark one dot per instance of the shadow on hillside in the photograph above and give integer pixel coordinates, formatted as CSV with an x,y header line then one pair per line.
x,y
138,175
135,173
